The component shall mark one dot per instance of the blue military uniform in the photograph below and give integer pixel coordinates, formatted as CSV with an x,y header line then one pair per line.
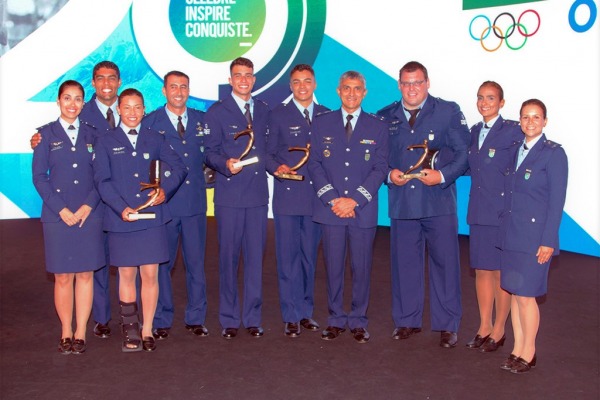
x,y
535,195
426,214
241,205
63,176
297,235
354,169
91,114
118,170
188,210
486,198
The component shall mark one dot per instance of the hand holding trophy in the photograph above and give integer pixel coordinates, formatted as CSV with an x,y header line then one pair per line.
x,y
250,132
154,184
302,161
426,161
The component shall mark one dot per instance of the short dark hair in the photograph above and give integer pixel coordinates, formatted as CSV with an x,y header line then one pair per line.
x,y
302,67
494,85
241,61
534,102
70,83
106,64
174,73
131,92
413,66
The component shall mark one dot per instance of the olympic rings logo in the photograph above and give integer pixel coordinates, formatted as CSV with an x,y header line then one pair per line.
x,y
593,13
503,36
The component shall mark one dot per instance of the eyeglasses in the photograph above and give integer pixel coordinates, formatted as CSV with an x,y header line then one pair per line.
x,y
414,83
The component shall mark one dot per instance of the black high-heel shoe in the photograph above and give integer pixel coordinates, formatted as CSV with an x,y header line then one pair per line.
x,y
521,366
65,346
509,362
477,341
491,345
79,346
148,343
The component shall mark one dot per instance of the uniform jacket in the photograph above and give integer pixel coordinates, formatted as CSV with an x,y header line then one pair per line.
x,y
119,169
62,173
91,114
341,169
222,121
487,167
534,198
288,128
190,197
444,126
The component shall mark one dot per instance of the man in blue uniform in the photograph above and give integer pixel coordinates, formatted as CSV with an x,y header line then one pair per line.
x,y
347,166
423,210
100,112
184,130
241,197
296,234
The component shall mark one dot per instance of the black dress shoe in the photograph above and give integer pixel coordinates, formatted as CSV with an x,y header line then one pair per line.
x,y
101,330
404,332
292,329
160,333
491,345
331,332
78,346
361,335
255,331
477,341
198,330
509,362
309,324
65,345
148,343
229,333
448,339
520,366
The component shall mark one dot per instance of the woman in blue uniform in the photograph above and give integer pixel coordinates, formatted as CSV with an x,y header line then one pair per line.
x,y
491,140
71,213
122,161
535,191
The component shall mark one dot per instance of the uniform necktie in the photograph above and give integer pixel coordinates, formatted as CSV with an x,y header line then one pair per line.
x,y
247,114
483,134
132,132
413,116
180,128
522,155
349,126
307,116
71,127
110,118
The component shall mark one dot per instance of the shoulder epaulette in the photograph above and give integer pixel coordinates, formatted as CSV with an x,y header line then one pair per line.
x,y
389,106
511,122
552,144
39,128
88,124
323,113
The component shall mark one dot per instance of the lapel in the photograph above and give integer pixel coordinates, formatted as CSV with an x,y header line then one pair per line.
x,y
231,106
121,137
534,153
59,133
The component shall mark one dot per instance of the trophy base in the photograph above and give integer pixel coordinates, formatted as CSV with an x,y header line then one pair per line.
x,y
292,177
242,163
411,176
138,216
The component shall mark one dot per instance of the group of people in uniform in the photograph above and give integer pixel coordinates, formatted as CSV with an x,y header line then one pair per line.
x,y
328,167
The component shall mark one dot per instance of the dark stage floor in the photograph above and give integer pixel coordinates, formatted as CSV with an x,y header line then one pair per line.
x,y
277,367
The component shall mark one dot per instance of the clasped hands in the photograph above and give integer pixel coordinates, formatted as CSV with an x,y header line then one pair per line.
x,y
343,207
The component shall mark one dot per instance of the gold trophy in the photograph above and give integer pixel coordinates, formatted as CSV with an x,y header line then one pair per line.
x,y
154,184
248,131
427,160
296,177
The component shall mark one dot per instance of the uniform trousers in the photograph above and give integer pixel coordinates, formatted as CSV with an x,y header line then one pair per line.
x,y
190,231
408,239
245,230
101,299
336,238
296,243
